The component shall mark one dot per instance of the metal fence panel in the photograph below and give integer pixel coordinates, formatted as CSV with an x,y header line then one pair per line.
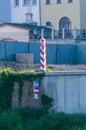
x,y
81,54
20,47
34,48
55,53
51,53
2,51
66,54
9,51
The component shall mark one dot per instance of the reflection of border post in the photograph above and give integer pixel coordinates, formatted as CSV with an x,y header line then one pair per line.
x,y
43,54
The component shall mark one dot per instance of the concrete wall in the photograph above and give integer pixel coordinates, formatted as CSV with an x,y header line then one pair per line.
x,y
68,90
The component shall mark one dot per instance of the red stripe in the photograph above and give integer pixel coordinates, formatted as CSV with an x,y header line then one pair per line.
x,y
42,66
42,52
42,46
42,59
36,92
36,88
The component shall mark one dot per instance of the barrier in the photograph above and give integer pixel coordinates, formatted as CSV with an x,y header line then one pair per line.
x,y
43,54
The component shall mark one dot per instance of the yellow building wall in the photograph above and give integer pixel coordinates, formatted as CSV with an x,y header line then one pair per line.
x,y
83,14
17,34
54,12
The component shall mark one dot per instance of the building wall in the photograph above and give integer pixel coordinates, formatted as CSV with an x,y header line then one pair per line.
x,y
5,11
54,12
68,90
83,14
18,12
17,34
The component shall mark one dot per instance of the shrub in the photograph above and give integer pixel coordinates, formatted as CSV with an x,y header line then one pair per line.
x,y
46,102
9,121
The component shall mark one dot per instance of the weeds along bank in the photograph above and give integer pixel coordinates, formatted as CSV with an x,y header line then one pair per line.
x,y
66,89
37,119
16,90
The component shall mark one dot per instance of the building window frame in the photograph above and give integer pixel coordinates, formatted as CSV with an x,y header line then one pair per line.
x,y
47,2
70,1
48,23
25,2
58,1
16,2
34,2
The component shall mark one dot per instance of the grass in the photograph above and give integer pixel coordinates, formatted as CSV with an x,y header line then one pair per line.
x,y
37,119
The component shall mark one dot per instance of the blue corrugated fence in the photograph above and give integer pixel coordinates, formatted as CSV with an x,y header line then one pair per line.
x,y
55,53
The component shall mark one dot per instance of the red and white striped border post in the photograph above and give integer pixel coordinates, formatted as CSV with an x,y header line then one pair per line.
x,y
43,54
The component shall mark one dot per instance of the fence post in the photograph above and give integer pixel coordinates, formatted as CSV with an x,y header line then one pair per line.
x,y
52,33
5,51
74,33
63,33
42,33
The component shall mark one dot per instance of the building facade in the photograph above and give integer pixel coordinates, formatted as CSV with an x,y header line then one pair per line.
x,y
5,11
9,32
66,14
25,11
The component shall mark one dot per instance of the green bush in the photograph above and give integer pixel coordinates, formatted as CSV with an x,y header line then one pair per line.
x,y
60,121
7,79
36,119
9,121
46,102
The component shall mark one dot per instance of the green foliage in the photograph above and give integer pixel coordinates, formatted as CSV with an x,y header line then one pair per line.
x,y
46,102
19,119
48,70
7,79
36,119
60,121
9,121
6,88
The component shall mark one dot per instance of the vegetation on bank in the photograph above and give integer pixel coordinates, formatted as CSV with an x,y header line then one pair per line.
x,y
36,119
29,118
7,79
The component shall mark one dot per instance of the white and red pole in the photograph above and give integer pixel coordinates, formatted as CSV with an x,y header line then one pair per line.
x,y
43,54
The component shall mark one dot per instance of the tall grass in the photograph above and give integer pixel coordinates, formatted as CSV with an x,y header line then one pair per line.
x,y
36,119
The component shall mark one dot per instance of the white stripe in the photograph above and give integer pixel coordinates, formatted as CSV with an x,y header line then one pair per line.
x,y
43,56
36,90
42,62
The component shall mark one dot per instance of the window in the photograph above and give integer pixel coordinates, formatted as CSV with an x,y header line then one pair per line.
x,y
34,2
25,2
47,1
65,23
70,1
48,23
58,1
16,2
